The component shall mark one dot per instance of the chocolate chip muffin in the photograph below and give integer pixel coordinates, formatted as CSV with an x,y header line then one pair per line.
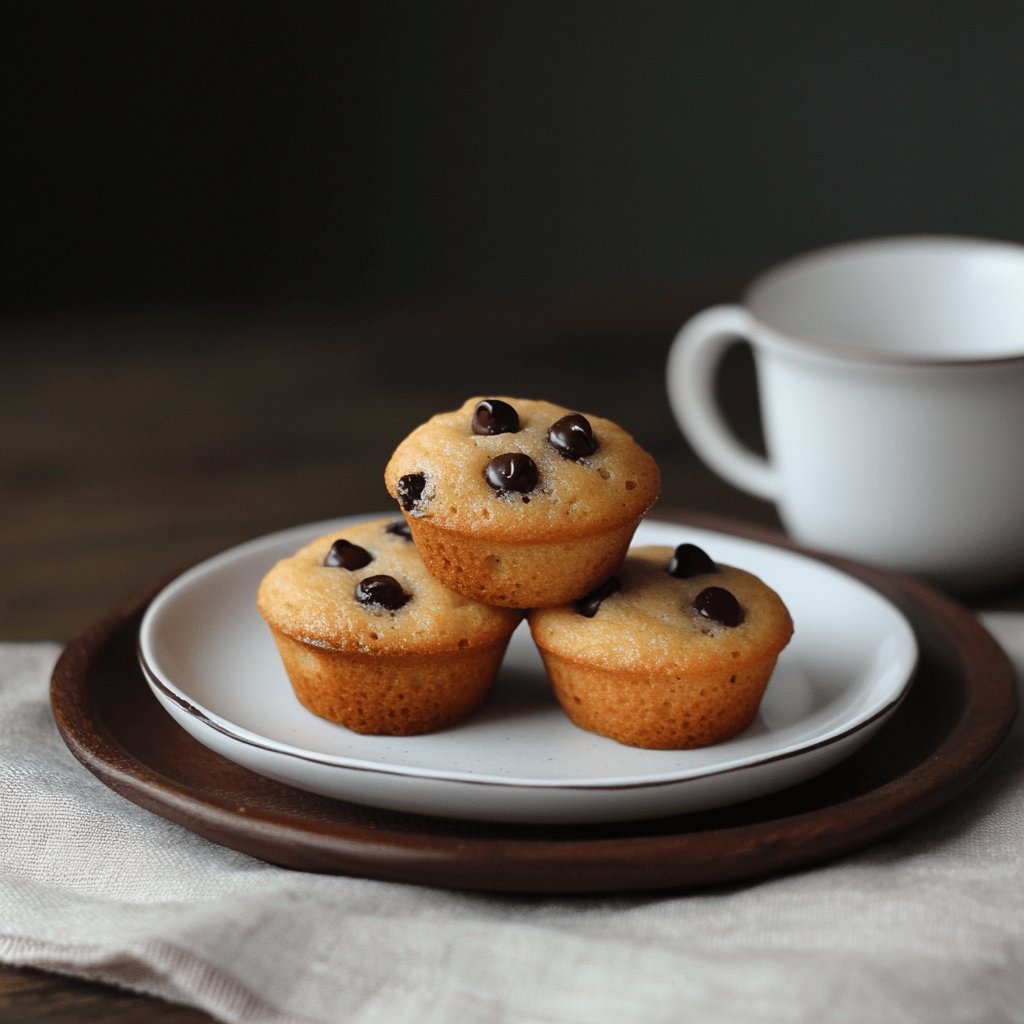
x,y
674,651
519,502
371,640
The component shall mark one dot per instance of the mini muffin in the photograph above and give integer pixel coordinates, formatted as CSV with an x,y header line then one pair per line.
x,y
521,503
674,651
371,640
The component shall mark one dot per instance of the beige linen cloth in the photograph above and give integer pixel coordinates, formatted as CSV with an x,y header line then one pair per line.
x,y
925,926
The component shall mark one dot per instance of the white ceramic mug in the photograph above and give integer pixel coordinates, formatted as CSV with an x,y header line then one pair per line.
x,y
891,382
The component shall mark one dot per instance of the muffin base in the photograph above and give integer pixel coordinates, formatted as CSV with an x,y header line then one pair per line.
x,y
390,695
533,574
659,712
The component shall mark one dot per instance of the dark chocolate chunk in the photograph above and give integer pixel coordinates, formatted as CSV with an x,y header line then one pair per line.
x,y
587,606
382,592
400,528
513,471
573,437
410,490
493,416
346,555
719,605
690,560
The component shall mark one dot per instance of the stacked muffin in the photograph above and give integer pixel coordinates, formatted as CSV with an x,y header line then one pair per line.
x,y
512,507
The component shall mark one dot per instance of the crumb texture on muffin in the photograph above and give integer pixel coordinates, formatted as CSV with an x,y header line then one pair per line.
x,y
448,464
663,661
650,623
309,601
370,640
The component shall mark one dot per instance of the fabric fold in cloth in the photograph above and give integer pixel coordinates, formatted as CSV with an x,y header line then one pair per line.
x,y
925,926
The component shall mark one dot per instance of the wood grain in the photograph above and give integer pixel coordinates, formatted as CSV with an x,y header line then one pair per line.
x,y
32,997
131,446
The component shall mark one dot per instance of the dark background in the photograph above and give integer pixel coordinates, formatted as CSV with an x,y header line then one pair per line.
x,y
208,155
248,247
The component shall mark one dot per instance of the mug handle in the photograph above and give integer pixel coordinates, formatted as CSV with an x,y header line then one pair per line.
x,y
692,361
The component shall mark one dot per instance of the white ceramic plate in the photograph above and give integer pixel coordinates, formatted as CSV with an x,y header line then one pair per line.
x,y
211,663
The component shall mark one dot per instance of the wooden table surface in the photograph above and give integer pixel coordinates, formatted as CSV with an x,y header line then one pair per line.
x,y
133,444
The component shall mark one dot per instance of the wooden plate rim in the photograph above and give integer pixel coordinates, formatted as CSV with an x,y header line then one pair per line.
x,y
534,859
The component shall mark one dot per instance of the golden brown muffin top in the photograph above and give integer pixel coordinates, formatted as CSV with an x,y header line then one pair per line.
x,y
649,619
588,473
339,608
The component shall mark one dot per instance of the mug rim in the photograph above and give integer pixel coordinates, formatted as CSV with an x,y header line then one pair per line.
x,y
837,350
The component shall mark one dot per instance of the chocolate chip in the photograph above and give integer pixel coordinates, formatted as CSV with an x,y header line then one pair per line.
x,y
400,528
381,592
690,560
587,606
346,555
719,605
493,416
573,437
513,471
410,490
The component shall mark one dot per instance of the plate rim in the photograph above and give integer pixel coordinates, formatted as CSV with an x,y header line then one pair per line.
x,y
333,838
175,694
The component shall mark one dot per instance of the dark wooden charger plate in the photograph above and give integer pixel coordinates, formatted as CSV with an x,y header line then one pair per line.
x,y
960,706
